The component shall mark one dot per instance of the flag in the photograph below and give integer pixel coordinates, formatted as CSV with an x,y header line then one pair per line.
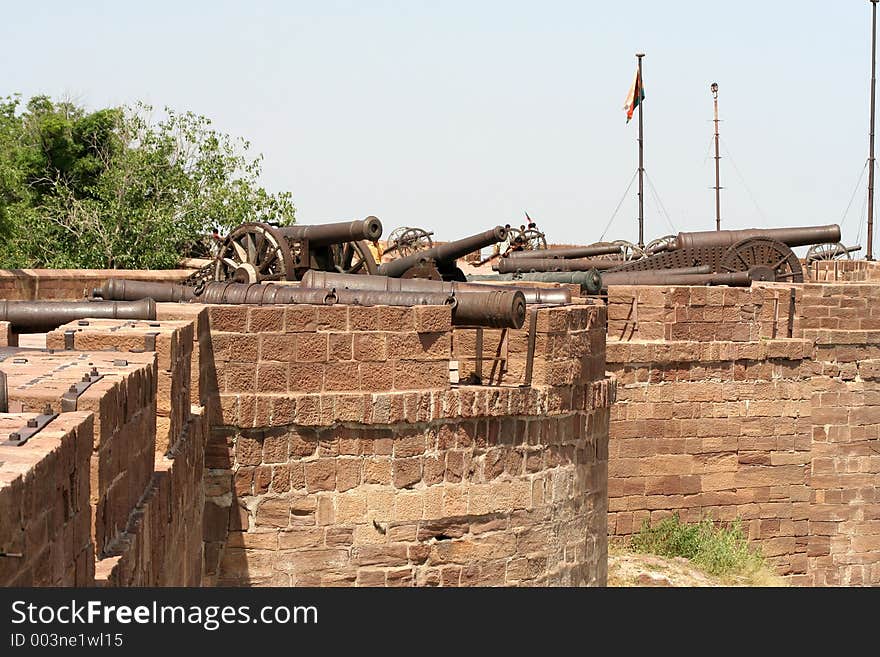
x,y
635,96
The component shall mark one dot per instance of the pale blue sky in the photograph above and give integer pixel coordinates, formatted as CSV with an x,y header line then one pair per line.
x,y
457,116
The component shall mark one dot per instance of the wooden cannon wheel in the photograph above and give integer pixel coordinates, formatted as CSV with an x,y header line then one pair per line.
x,y
831,251
254,252
763,252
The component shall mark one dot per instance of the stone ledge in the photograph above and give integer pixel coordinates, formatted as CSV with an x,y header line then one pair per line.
x,y
690,351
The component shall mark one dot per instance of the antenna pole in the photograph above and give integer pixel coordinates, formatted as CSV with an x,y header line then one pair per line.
x,y
642,155
871,156
714,89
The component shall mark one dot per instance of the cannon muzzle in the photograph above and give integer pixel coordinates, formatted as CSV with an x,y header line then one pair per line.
x,y
791,237
449,252
44,316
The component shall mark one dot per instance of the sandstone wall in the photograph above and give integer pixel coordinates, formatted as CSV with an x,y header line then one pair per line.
x,y
723,418
345,457
45,518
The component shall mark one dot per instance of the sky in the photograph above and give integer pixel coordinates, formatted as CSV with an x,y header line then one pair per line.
x,y
457,116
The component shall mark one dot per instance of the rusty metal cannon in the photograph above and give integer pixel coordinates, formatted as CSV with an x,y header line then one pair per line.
x,y
514,265
43,316
322,279
255,252
498,308
574,252
123,289
728,251
438,262
492,308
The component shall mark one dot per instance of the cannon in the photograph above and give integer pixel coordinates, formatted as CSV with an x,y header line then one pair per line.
x,y
497,308
514,265
492,308
347,281
255,252
407,240
122,289
589,281
576,252
835,251
44,316
685,277
438,262
737,250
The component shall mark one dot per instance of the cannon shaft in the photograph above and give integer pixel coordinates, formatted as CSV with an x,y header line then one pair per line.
x,y
493,308
791,237
446,253
513,265
666,277
44,316
589,281
335,233
575,252
355,282
121,289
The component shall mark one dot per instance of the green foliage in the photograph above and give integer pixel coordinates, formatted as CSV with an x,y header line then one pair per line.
x,y
718,549
114,188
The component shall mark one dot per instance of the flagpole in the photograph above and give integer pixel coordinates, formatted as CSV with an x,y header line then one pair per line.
x,y
714,89
871,155
642,154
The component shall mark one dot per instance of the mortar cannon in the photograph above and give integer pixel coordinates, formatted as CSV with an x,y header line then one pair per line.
x,y
438,262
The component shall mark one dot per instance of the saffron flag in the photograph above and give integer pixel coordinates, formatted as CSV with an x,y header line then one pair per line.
x,y
635,96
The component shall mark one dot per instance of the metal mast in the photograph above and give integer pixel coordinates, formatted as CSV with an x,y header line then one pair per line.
x,y
714,89
642,153
871,155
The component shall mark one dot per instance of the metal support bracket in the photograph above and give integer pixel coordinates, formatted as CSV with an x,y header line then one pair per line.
x,y
530,355
33,427
69,336
69,398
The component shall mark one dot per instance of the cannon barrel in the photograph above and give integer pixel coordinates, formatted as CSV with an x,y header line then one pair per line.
x,y
650,277
493,308
335,233
590,281
676,277
791,237
513,265
445,252
575,252
121,289
313,278
44,316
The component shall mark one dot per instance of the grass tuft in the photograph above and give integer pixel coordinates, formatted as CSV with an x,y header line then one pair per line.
x,y
719,549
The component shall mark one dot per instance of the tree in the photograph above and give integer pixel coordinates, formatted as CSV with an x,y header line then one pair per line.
x,y
114,188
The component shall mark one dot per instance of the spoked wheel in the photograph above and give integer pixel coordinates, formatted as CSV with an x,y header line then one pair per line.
x,y
532,240
252,253
833,251
763,252
353,258
629,251
659,244
411,240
